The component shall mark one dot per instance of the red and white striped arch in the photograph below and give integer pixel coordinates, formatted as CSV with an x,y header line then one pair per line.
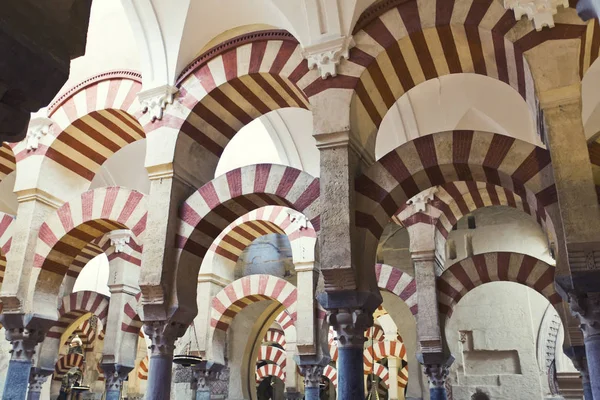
x,y
375,332
273,355
7,160
466,275
143,369
270,219
285,320
444,157
87,334
380,350
91,122
330,373
78,223
74,306
65,363
269,370
131,319
399,283
248,290
6,233
275,336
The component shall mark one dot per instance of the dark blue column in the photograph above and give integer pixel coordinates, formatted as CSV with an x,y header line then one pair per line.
x,y
437,375
17,380
437,393
587,390
351,384
159,377
311,393
592,351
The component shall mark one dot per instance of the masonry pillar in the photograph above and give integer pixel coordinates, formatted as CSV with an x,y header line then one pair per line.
x,y
23,341
437,375
114,375
162,335
37,378
393,364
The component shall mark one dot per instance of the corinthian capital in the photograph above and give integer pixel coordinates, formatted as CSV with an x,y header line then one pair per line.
x,y
163,335
23,341
586,307
350,325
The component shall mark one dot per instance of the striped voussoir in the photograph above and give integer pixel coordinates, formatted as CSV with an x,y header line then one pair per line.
x,y
272,354
284,320
74,306
231,85
330,373
7,160
412,42
333,348
207,212
275,336
385,349
477,270
6,232
131,318
444,157
381,372
375,332
92,122
143,369
269,370
87,334
82,221
399,283
248,290
453,200
65,363
263,221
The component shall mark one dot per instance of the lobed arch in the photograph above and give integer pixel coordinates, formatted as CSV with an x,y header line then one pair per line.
x,y
399,283
463,276
65,364
87,334
376,333
6,233
230,85
72,227
76,305
90,123
207,212
273,355
268,370
385,349
228,246
444,157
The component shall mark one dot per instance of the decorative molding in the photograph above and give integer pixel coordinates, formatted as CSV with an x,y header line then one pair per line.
x,y
38,128
36,194
420,201
374,11
328,55
298,219
583,256
119,239
541,12
156,100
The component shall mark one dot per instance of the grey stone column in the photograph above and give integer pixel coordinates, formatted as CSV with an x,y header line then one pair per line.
x,y
163,335
437,375
37,378
114,375
312,378
350,326
586,307
23,341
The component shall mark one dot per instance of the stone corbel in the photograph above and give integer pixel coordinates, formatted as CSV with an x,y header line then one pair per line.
x,y
156,100
327,56
586,308
119,239
38,128
420,201
541,12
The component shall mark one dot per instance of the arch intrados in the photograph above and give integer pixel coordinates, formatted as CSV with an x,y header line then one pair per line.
x,y
8,162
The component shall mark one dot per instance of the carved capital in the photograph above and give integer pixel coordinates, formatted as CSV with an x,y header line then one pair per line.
x,y
23,341
119,239
163,335
312,374
38,128
437,374
350,326
114,375
327,56
586,308
37,378
155,101
541,12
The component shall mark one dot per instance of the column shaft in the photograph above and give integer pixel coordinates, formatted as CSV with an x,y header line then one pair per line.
x,y
31,395
592,351
159,377
351,385
437,393
17,380
113,395
311,393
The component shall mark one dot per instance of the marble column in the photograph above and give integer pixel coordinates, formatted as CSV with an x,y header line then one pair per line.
x,y
294,395
437,374
312,378
393,365
37,378
162,335
114,375
586,307
23,341
349,326
580,362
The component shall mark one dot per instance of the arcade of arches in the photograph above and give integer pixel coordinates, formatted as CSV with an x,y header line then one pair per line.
x,y
316,199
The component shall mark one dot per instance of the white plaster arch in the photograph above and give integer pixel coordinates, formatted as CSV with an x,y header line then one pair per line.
x,y
125,168
456,101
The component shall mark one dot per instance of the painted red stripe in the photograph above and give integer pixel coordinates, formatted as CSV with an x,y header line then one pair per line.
x,y
109,202
257,53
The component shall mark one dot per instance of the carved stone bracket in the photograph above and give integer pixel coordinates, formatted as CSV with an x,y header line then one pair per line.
x,y
350,326
119,239
420,201
114,375
155,101
438,373
23,341
586,308
541,12
38,128
298,219
163,335
37,378
327,56
312,374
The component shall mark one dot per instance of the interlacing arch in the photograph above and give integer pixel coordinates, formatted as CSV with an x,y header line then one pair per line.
x,y
80,222
464,276
268,370
6,232
207,212
444,157
232,84
273,355
76,305
65,364
330,373
399,283
384,349
91,122
248,290
275,336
